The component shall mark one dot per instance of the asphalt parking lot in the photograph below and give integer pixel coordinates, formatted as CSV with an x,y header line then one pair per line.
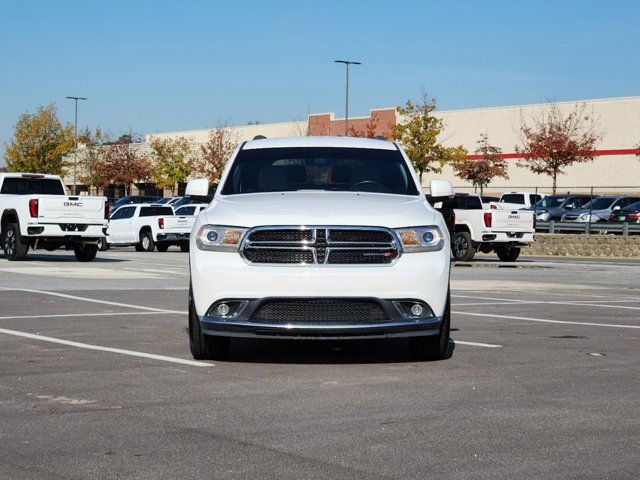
x,y
96,381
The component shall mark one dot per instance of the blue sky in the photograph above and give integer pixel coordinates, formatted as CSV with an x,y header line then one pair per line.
x,y
159,66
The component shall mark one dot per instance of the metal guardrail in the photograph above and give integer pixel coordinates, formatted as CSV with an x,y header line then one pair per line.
x,y
588,228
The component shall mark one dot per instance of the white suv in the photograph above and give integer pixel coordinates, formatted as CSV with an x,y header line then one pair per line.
x,y
319,238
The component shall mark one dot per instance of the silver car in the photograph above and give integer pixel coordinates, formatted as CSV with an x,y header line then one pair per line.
x,y
599,209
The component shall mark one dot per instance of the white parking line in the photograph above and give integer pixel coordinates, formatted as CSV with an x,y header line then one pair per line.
x,y
537,302
543,320
476,344
579,303
93,300
87,346
64,315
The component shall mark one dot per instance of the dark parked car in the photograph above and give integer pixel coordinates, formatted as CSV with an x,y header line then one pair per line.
x,y
447,213
628,214
131,200
554,206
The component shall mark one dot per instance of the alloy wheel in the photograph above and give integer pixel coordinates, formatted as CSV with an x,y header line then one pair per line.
x,y
9,243
461,246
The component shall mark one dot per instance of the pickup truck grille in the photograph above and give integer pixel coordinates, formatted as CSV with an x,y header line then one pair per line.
x,y
320,245
319,311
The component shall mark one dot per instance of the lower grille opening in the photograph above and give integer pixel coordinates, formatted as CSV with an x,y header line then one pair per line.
x,y
319,311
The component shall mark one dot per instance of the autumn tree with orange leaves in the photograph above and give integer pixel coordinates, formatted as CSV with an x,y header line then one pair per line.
x,y
484,167
123,164
214,154
419,132
369,130
554,141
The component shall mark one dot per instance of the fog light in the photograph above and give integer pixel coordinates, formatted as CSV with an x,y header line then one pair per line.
x,y
223,309
416,309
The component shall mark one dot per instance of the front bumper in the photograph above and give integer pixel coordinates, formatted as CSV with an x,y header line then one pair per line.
x,y
224,275
397,325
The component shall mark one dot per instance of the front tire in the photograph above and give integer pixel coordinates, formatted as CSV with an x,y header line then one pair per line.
x,y
162,247
85,252
508,254
205,347
146,242
434,347
12,244
463,249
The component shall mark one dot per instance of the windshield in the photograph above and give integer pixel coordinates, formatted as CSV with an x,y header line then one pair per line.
x,y
319,168
599,203
155,211
32,186
162,201
550,202
633,206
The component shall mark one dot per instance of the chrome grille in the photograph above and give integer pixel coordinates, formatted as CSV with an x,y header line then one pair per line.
x,y
320,245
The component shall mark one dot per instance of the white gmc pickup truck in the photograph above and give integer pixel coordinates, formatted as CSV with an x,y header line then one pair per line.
x,y
35,212
478,228
176,229
138,225
319,238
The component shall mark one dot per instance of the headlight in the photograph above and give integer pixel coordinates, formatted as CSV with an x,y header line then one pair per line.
x,y
583,216
219,238
420,239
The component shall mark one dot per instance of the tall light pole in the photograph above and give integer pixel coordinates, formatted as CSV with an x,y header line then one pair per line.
x,y
346,101
75,144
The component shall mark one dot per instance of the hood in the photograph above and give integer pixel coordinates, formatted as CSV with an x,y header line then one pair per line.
x,y
321,208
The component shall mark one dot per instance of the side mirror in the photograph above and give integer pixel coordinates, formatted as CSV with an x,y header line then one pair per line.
x,y
617,207
569,206
440,190
197,188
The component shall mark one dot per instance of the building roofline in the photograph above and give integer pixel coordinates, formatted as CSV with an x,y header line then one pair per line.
x,y
198,130
540,104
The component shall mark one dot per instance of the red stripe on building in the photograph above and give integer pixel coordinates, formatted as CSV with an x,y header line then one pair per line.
x,y
597,153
